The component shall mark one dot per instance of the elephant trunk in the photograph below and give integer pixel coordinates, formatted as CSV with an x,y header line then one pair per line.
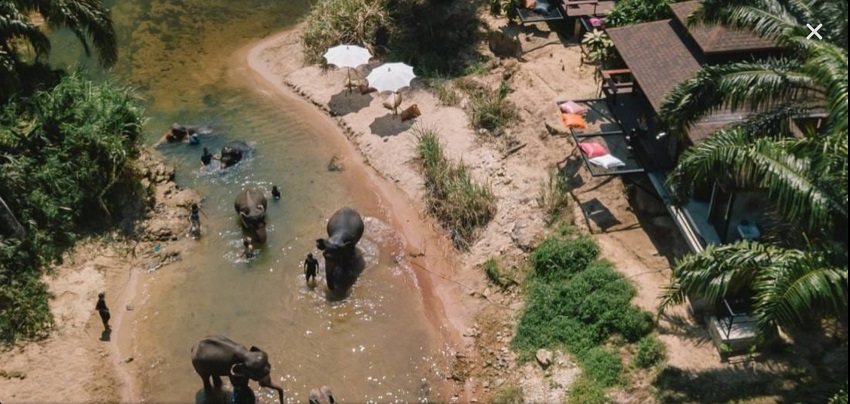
x,y
261,234
267,382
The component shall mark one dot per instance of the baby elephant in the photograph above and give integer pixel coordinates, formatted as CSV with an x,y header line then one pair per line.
x,y
322,396
218,356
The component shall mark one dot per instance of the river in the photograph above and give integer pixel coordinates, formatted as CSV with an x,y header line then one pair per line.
x,y
375,345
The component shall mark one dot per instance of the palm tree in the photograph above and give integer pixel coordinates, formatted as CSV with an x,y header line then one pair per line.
x,y
813,78
789,286
795,277
88,19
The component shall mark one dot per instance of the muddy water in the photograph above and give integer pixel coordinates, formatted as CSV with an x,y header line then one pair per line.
x,y
375,345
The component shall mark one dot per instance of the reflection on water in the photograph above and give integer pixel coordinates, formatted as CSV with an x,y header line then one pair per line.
x,y
373,346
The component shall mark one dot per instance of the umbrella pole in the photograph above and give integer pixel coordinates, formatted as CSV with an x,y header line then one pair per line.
x,y
349,80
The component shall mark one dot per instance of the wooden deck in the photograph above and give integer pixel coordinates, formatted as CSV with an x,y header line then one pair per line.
x,y
582,8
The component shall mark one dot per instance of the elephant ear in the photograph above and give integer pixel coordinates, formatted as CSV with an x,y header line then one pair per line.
x,y
238,369
320,244
255,349
329,394
261,208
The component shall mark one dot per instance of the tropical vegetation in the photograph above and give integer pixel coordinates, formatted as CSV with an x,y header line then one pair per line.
x,y
66,148
437,37
574,301
88,19
637,11
800,273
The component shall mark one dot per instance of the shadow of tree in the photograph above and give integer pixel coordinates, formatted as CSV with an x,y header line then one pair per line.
x,y
389,125
345,102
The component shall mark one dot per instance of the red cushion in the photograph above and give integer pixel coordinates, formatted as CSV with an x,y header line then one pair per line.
x,y
592,149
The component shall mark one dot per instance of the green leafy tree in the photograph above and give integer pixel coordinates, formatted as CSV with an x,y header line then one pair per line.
x,y
88,19
637,11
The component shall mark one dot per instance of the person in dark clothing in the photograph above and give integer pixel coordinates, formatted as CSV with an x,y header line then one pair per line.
x,y
207,157
195,219
275,192
310,266
103,310
249,246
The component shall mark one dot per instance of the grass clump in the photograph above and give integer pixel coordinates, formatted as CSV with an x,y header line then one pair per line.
x,y
650,351
510,394
334,22
554,196
587,391
497,275
446,93
459,203
490,110
561,257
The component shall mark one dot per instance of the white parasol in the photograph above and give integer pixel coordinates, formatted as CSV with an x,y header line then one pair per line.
x,y
390,77
349,56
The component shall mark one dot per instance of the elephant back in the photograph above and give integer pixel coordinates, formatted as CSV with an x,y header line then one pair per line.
x,y
346,225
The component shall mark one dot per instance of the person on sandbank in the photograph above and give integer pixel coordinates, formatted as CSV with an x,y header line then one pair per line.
x,y
103,311
195,220
275,192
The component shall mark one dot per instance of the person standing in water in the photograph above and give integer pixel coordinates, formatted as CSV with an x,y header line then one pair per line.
x,y
275,192
248,243
310,266
207,157
195,219
103,310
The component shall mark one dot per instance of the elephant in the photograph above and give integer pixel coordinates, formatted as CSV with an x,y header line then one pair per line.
x,y
233,152
344,229
322,396
251,206
183,133
216,356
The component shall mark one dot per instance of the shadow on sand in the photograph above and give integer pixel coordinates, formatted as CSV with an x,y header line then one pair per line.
x,y
344,103
389,125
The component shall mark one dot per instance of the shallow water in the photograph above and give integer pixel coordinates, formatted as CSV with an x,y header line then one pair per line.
x,y
375,345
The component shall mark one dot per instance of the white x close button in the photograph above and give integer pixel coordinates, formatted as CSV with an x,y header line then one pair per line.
x,y
814,31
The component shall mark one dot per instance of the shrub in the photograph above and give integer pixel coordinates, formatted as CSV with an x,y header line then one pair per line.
x,y
558,257
335,22
64,156
510,394
586,391
461,204
446,93
554,196
634,323
638,11
496,274
438,37
490,110
650,351
602,365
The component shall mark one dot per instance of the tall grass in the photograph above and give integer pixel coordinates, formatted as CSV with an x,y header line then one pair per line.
x,y
461,204
335,22
554,196
489,109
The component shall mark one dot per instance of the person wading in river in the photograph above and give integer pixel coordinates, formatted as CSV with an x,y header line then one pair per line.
x,y
310,266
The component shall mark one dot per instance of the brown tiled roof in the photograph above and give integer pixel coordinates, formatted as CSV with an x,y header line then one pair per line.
x,y
657,56
716,39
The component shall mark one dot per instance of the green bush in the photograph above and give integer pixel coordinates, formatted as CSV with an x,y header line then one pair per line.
x,y
638,11
335,22
496,274
461,204
586,391
64,153
560,258
490,110
650,351
602,366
